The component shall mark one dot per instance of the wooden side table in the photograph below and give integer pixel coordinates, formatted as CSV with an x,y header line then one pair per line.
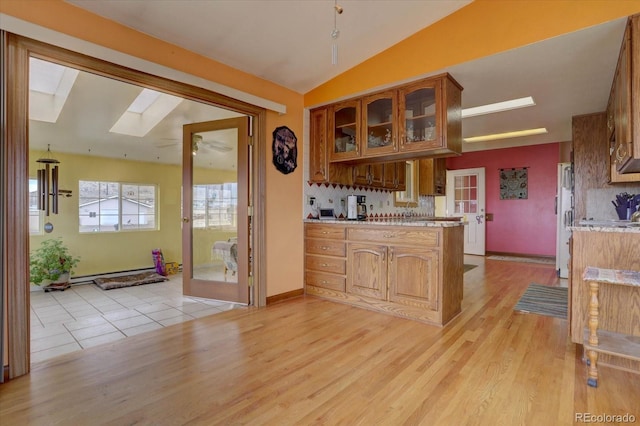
x,y
603,341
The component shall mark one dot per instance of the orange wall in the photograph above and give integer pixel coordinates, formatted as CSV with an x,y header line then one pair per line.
x,y
283,193
483,28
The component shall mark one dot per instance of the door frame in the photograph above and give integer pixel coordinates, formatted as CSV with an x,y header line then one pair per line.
x,y
14,158
239,290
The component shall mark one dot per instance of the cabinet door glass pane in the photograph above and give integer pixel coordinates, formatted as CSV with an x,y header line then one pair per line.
x,y
420,115
345,130
379,123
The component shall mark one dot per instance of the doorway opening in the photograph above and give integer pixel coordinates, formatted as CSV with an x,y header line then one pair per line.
x,y
192,98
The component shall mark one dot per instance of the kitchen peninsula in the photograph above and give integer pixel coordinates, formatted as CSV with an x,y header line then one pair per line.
x,y
599,245
412,268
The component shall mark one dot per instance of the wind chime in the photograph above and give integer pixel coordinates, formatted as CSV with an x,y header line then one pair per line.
x,y
48,183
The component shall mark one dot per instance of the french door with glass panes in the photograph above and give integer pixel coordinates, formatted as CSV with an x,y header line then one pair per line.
x,y
466,199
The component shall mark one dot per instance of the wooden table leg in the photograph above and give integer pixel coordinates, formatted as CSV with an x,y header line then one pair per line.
x,y
594,305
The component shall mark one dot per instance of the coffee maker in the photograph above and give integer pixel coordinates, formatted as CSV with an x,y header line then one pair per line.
x,y
356,207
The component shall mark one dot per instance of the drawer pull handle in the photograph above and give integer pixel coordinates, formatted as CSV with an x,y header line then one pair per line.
x,y
325,248
324,281
324,264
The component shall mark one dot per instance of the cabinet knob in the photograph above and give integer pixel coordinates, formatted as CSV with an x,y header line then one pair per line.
x,y
324,265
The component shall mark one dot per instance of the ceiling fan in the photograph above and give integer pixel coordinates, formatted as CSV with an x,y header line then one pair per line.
x,y
198,143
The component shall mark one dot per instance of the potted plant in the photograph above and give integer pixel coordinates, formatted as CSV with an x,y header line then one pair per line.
x,y
51,265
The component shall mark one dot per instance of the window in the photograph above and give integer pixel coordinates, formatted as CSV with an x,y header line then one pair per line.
x,y
215,206
113,206
35,214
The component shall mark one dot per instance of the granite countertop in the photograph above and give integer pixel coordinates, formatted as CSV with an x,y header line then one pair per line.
x,y
417,222
607,226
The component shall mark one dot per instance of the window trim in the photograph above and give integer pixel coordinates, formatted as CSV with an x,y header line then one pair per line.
x,y
119,227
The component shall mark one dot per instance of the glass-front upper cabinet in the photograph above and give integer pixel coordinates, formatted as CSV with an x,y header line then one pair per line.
x,y
344,120
419,112
379,123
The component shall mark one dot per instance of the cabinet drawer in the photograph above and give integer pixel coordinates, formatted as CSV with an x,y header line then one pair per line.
x,y
318,279
334,232
326,247
334,265
423,238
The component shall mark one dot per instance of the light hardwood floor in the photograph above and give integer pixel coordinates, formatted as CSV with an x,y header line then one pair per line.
x,y
310,361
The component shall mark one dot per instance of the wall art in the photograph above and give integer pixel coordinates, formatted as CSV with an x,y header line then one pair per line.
x,y
514,184
285,150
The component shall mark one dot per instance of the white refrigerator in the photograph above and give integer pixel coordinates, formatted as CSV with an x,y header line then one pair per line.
x,y
564,214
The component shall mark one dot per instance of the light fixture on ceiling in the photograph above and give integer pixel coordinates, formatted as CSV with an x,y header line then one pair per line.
x,y
337,10
195,140
507,135
48,183
498,107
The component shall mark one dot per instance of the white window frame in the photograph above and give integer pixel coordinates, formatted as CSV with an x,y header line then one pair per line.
x,y
120,225
33,183
227,214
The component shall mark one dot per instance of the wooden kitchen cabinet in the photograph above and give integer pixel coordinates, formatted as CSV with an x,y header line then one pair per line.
x,y
413,276
379,124
432,176
325,256
345,130
320,169
623,109
407,271
395,176
367,272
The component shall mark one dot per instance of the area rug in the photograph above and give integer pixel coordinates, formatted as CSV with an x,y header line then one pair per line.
x,y
468,267
544,300
129,280
524,259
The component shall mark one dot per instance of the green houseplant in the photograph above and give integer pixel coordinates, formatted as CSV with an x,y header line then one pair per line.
x,y
50,261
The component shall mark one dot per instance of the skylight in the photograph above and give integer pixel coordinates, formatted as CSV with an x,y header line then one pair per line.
x,y
143,101
498,107
145,112
49,88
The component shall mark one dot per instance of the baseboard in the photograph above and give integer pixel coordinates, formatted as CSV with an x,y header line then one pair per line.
x,y
284,296
502,253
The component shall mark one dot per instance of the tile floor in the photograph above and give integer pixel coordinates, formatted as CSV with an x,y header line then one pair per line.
x,y
85,315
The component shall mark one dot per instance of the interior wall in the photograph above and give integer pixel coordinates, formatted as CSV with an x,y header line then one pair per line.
x,y
126,250
518,226
282,197
482,28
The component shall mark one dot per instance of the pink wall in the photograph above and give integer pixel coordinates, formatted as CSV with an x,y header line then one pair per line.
x,y
519,226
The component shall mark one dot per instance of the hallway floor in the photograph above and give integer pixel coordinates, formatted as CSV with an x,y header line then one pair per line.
x,y
85,315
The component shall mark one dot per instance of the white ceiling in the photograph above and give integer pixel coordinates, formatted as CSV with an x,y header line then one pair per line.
x,y
288,42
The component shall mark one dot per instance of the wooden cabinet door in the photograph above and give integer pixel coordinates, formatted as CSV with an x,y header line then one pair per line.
x,y
367,270
318,161
376,175
622,105
361,175
420,116
379,124
432,176
344,124
413,276
394,176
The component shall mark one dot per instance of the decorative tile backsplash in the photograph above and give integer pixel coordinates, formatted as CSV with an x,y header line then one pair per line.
x,y
379,202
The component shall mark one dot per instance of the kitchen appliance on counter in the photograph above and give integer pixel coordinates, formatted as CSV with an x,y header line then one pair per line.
x,y
564,212
356,207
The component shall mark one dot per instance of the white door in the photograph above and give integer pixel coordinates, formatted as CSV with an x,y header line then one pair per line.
x,y
466,199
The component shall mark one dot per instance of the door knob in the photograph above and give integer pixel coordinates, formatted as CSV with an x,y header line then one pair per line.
x,y
185,219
